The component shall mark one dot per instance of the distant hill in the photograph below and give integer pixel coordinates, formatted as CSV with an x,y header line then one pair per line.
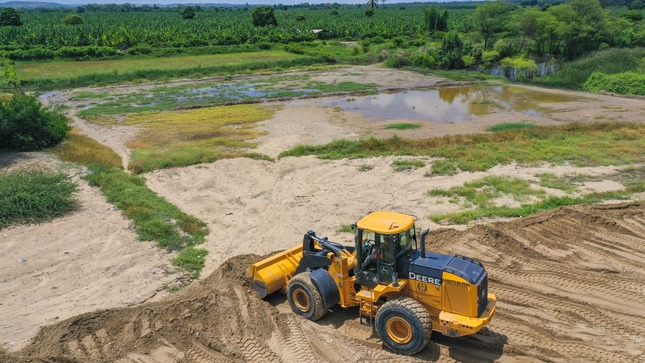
x,y
33,5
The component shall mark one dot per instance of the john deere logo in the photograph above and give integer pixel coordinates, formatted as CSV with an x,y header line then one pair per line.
x,y
422,278
422,287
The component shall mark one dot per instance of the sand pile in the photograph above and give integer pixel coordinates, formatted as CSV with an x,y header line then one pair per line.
x,y
570,285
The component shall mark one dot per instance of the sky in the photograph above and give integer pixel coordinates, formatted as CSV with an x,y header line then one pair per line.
x,y
262,2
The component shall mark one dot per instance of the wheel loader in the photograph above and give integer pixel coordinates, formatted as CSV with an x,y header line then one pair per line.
x,y
400,289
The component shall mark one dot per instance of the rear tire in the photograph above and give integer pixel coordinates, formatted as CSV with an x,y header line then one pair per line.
x,y
404,325
304,297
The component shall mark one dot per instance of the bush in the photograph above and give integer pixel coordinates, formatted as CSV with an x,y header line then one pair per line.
x,y
84,52
628,83
397,62
422,60
26,125
294,48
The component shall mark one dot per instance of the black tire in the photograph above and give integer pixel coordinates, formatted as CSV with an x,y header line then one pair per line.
x,y
304,297
404,325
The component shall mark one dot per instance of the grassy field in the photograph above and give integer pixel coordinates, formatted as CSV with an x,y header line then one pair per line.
x,y
578,144
66,69
187,137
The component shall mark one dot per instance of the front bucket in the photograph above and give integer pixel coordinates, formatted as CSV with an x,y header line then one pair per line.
x,y
273,273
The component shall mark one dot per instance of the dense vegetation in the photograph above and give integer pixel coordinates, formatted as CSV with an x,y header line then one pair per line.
x,y
26,125
513,34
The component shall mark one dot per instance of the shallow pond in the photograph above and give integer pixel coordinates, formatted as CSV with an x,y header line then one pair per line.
x,y
454,104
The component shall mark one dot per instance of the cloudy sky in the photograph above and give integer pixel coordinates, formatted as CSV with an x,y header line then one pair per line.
x,y
269,2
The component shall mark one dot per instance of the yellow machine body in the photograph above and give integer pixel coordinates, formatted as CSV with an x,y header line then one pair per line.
x,y
457,301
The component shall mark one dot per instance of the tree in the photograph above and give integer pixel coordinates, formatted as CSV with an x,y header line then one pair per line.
x,y
73,19
442,22
263,16
187,13
452,51
431,18
9,17
636,5
489,19
581,25
372,3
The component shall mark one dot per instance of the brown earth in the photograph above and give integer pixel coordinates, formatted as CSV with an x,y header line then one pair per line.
x,y
570,285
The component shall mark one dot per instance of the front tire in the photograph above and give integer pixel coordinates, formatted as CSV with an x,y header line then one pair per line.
x,y
304,297
404,325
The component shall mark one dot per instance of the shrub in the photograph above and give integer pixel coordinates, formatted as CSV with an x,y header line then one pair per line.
x,y
397,62
520,63
422,60
294,48
489,56
627,83
26,125
369,12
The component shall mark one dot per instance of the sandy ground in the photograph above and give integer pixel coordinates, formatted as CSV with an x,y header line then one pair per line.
x,y
570,288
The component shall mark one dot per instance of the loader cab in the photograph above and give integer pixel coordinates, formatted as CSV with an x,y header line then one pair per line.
x,y
382,239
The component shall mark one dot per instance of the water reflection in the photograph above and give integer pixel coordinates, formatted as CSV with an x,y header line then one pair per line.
x,y
456,104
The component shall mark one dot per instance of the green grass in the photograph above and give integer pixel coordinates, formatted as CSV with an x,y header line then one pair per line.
x,y
64,74
80,149
154,218
346,228
403,126
526,209
341,86
34,196
365,167
602,143
509,126
484,191
191,259
67,70
567,183
444,167
407,165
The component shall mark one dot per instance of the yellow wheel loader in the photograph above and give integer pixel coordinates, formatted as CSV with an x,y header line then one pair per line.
x,y
401,290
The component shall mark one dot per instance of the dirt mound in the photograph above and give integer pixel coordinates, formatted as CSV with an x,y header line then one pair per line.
x,y
570,285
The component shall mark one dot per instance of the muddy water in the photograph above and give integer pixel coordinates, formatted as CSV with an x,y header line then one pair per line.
x,y
449,105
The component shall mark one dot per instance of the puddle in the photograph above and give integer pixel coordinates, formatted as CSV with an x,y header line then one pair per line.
x,y
449,105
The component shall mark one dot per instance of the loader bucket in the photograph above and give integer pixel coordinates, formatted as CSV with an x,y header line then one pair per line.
x,y
273,273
